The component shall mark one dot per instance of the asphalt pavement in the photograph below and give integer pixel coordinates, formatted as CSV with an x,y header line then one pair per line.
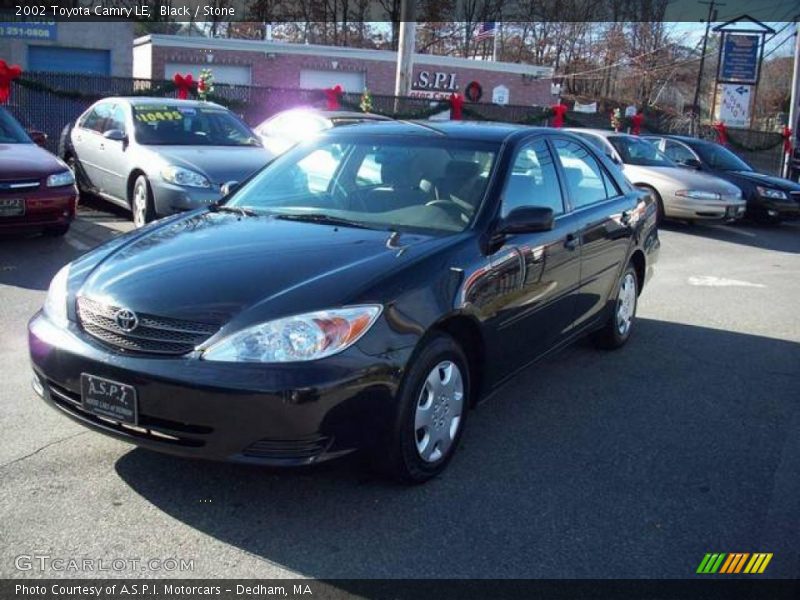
x,y
632,463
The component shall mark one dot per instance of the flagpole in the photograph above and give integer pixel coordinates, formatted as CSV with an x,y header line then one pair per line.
x,y
496,35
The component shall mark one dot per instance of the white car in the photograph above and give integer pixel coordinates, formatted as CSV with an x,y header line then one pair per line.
x,y
285,129
680,193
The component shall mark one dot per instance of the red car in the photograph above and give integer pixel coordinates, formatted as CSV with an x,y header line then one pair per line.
x,y
37,190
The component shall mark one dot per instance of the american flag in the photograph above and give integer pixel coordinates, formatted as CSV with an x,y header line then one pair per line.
x,y
485,31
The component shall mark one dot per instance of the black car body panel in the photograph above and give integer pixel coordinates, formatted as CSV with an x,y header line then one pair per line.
x,y
509,301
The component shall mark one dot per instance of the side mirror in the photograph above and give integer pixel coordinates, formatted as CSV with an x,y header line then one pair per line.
x,y
115,135
39,137
692,163
229,187
526,219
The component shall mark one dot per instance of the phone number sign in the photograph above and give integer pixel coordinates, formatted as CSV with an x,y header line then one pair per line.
x,y
740,58
29,30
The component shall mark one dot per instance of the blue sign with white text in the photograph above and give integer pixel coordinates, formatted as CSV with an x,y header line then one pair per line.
x,y
29,30
740,58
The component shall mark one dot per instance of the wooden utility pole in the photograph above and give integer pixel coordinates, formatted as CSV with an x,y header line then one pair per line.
x,y
405,51
712,15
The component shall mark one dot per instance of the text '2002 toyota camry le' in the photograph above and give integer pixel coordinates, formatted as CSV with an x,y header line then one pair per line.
x,y
360,292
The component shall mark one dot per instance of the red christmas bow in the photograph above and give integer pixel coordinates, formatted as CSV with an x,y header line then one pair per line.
x,y
183,84
7,75
456,106
559,110
636,123
787,140
722,133
333,96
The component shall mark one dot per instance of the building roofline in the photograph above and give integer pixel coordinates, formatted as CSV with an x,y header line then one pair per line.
x,y
316,50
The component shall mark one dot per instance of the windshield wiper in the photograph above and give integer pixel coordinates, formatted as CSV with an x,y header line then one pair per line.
x,y
239,210
320,218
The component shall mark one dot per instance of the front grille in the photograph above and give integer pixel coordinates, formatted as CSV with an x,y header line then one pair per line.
x,y
795,196
18,186
288,449
160,430
153,335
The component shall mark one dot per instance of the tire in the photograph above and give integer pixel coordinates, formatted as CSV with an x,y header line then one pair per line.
x,y
142,208
56,231
428,428
617,330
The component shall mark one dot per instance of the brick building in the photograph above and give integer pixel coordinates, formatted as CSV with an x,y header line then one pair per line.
x,y
305,66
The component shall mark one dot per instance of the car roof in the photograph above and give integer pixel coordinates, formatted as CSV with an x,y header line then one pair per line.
x,y
489,131
685,139
605,133
145,100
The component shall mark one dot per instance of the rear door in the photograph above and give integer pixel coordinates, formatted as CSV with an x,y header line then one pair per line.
x,y
87,139
604,217
533,277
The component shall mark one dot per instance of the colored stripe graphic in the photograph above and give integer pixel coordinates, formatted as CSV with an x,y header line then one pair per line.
x,y
734,562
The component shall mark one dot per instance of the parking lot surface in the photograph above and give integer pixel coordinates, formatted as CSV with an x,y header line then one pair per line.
x,y
632,463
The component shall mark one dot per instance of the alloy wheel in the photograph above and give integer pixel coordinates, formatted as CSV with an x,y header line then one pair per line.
x,y
139,205
438,411
626,303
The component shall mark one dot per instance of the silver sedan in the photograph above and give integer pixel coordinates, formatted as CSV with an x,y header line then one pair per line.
x,y
681,193
158,156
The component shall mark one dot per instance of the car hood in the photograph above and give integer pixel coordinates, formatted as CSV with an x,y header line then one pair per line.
x,y
219,164
210,266
764,179
27,161
680,177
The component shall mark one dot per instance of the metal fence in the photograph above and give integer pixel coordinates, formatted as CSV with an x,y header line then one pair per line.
x,y
49,101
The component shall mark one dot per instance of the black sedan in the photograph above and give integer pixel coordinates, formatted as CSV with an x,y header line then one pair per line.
x,y
769,198
363,291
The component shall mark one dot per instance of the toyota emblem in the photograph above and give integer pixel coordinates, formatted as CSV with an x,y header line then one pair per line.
x,y
126,320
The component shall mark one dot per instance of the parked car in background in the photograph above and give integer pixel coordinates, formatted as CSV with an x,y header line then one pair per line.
x,y
292,324
769,198
157,156
285,129
680,193
37,190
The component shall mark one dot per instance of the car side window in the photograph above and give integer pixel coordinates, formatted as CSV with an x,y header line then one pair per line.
x,y
533,180
116,120
95,120
678,152
585,176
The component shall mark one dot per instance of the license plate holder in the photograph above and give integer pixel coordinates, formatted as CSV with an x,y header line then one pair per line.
x,y
109,399
12,207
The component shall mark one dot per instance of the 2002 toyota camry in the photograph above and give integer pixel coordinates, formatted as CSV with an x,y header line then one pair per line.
x,y
361,292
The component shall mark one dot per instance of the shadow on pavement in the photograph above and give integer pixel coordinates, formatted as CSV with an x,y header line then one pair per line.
x,y
31,260
589,464
781,238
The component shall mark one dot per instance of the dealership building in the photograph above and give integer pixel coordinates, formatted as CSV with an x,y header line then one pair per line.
x,y
309,66
101,48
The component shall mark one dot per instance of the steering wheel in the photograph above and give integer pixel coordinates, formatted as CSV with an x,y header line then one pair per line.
x,y
450,207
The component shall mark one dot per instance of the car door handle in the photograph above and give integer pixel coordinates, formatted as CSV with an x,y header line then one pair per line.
x,y
571,242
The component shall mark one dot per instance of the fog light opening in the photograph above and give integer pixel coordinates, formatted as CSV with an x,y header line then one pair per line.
x,y
772,213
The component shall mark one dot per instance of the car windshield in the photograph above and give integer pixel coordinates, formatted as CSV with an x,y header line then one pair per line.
x,y
719,157
179,125
636,151
11,132
400,183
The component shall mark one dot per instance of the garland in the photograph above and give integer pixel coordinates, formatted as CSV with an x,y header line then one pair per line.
x,y
165,89
366,102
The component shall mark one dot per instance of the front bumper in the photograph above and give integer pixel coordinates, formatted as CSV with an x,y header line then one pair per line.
x,y
783,210
282,415
170,198
726,209
45,207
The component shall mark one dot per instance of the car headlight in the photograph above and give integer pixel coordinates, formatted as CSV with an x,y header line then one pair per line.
x,y
61,179
55,304
185,177
299,338
766,192
698,195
